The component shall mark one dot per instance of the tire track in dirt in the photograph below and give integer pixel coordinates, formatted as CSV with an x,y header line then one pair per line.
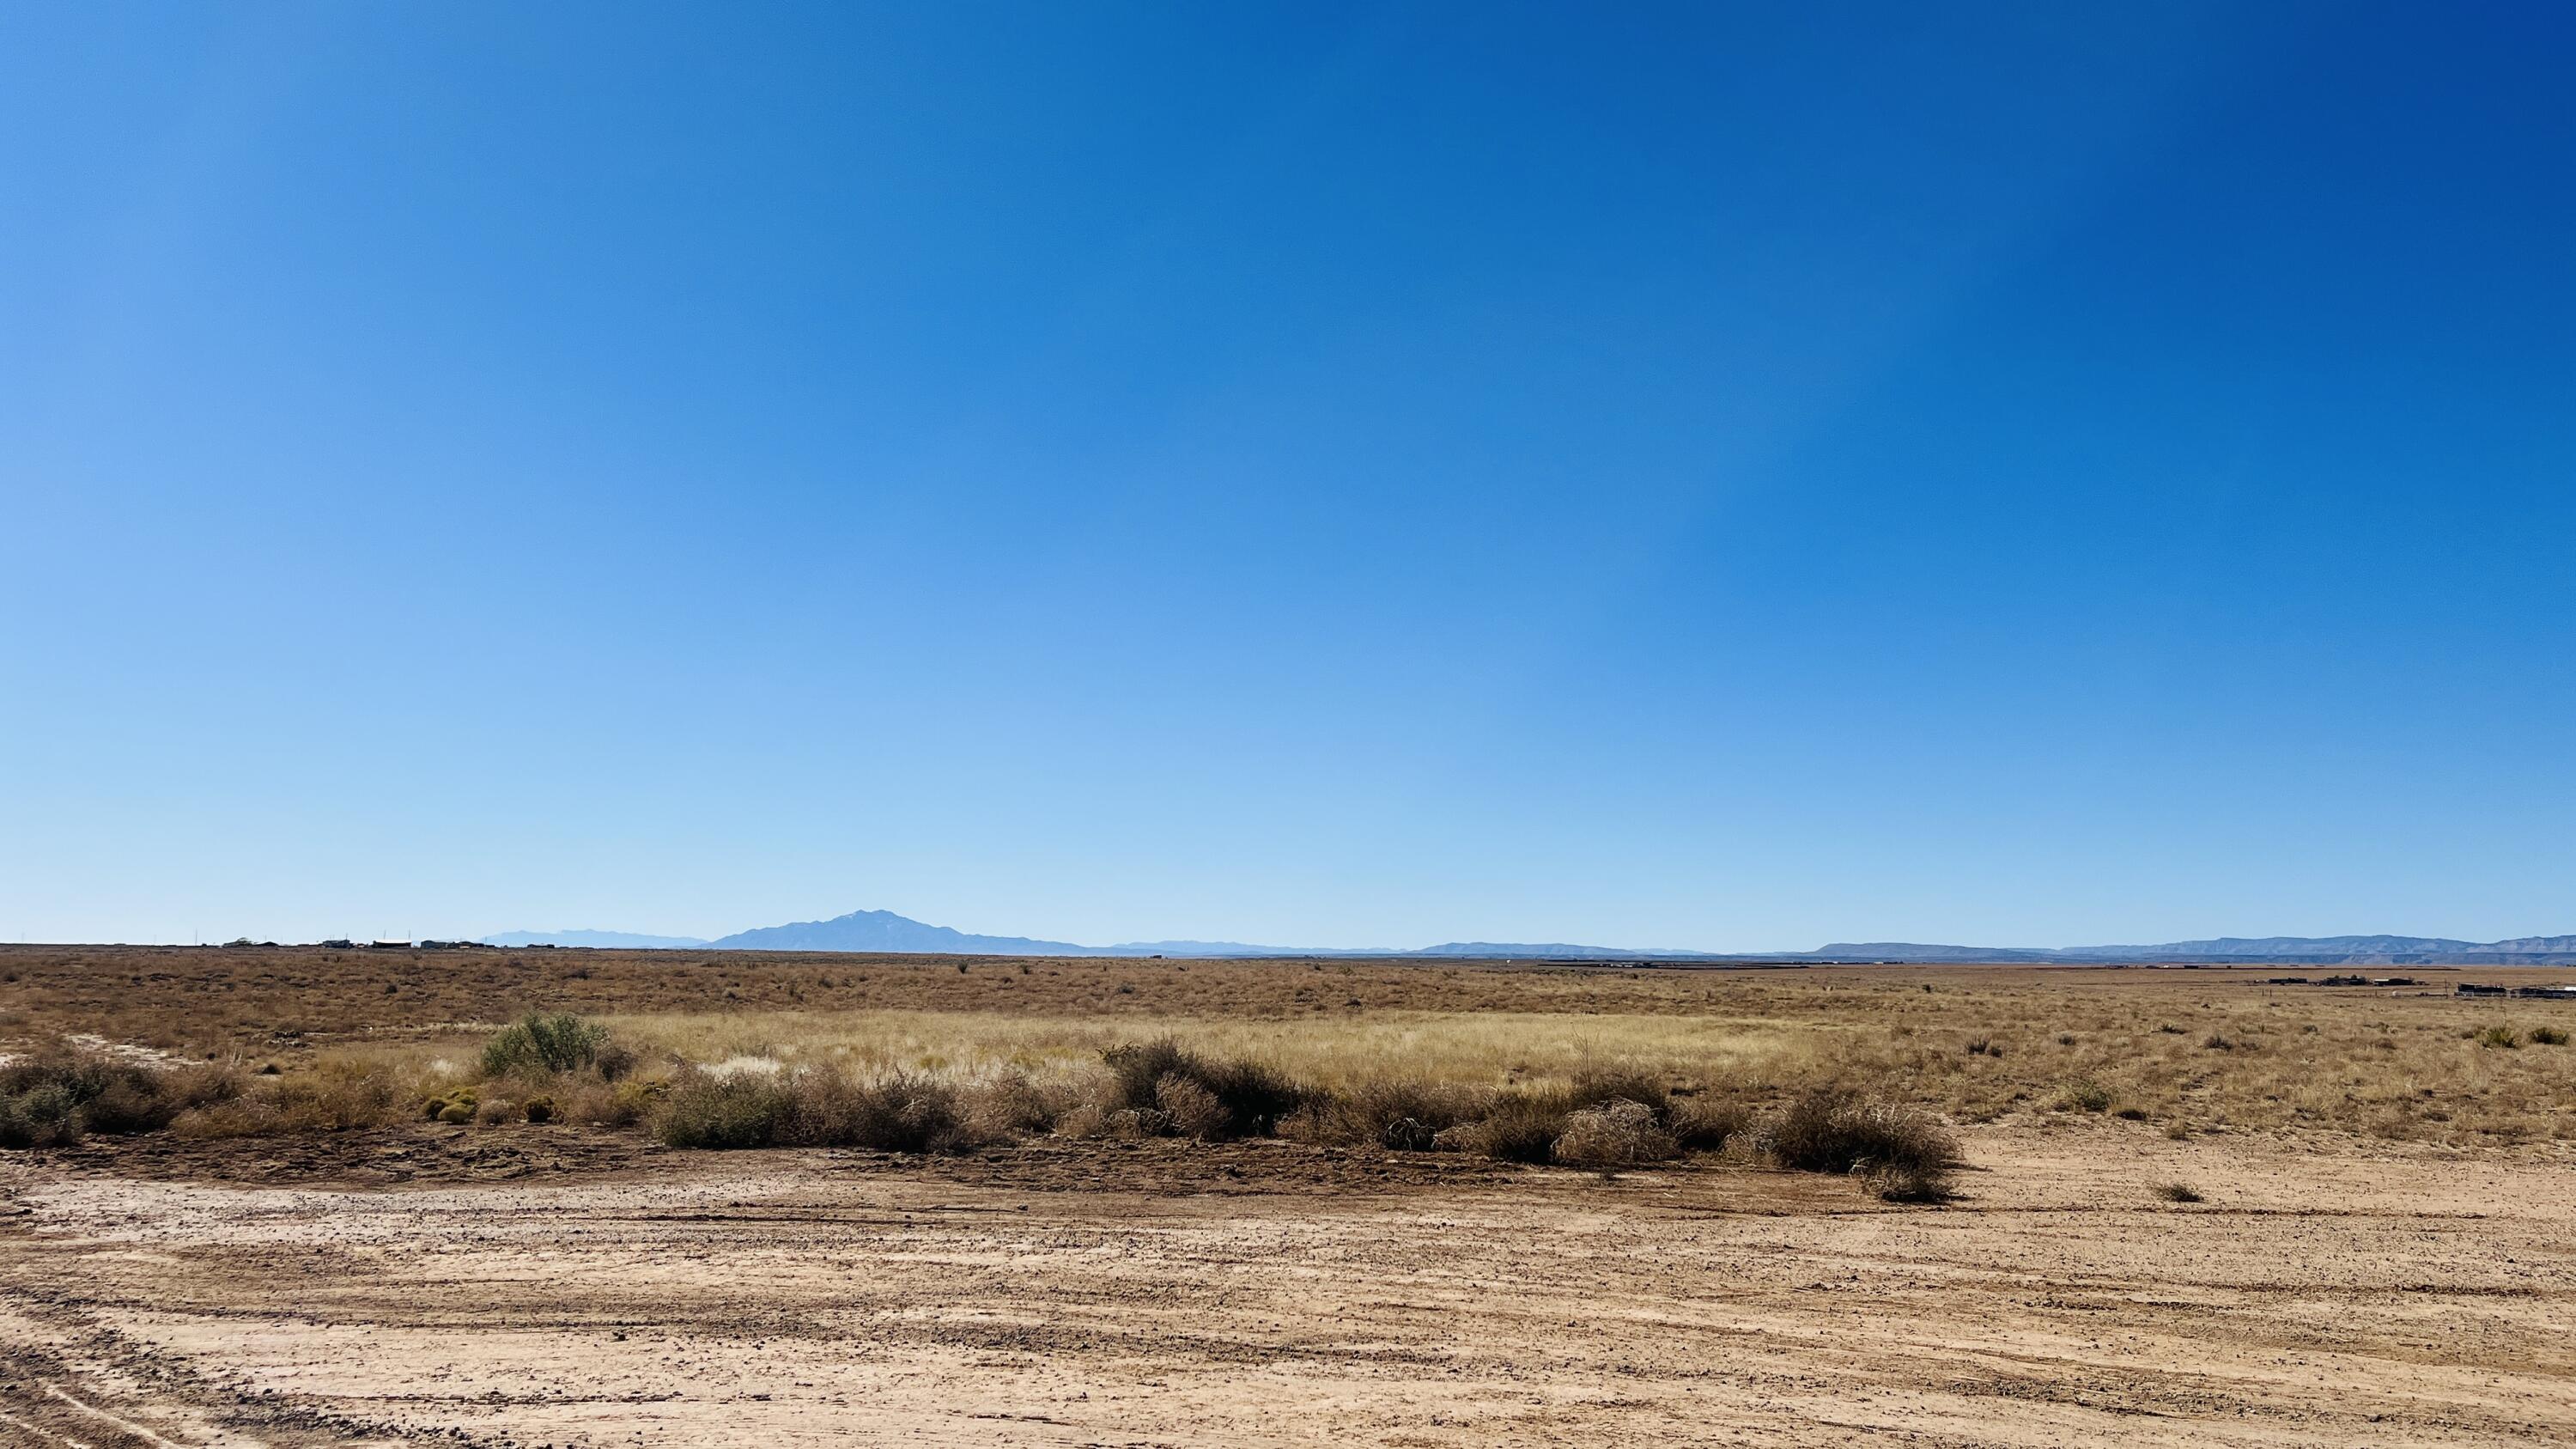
x,y
807,1299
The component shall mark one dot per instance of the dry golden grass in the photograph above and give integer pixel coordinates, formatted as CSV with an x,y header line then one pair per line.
x,y
2194,1051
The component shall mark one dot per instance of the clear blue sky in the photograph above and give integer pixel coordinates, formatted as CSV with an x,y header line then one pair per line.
x,y
1721,477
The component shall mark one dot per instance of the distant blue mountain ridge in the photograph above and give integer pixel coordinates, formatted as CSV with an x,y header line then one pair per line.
x,y
884,932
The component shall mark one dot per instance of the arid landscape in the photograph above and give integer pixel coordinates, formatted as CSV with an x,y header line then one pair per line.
x,y
2178,1206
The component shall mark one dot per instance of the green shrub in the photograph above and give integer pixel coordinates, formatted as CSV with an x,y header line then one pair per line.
x,y
43,1115
537,1042
2548,1036
2499,1036
466,1097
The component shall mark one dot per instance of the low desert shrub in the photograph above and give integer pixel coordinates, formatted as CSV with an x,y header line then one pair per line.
x,y
2499,1035
817,1107
2081,1095
1707,1124
1614,1135
1402,1114
1193,1109
338,1095
55,1096
1520,1126
41,1115
902,1112
539,1043
1252,1097
726,1113
435,1105
2548,1036
1012,1105
2178,1192
1905,1154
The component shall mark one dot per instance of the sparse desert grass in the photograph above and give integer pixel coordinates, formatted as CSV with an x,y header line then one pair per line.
x,y
2391,1063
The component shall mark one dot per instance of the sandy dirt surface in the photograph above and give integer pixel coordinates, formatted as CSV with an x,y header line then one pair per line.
x,y
561,1288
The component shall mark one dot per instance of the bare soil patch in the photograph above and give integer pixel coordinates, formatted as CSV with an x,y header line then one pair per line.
x,y
1096,1294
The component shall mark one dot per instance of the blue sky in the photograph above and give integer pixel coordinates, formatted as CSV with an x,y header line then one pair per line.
x,y
1722,477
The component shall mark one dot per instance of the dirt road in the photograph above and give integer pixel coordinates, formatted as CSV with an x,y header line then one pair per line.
x,y
1163,1294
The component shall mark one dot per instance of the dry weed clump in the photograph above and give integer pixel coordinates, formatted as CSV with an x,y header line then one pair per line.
x,y
817,1107
55,1096
1706,1123
1403,1114
1905,1154
1618,1133
1159,1080
338,1095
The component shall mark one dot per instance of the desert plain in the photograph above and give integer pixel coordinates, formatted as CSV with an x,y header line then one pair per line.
x,y
2183,1206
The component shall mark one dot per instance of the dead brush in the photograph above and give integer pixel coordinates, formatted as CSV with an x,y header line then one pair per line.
x,y
1707,1123
1519,1125
337,1095
1401,1114
1014,1105
1250,1097
1616,1134
56,1095
899,1112
818,1107
1903,1153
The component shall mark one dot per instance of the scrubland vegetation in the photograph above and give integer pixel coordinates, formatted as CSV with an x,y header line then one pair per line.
x,y
1855,1070
544,1067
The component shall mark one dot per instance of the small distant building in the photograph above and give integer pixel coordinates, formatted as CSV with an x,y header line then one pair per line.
x,y
389,945
2472,988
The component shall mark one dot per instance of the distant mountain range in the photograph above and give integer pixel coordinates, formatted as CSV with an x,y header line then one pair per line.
x,y
2356,950
885,932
